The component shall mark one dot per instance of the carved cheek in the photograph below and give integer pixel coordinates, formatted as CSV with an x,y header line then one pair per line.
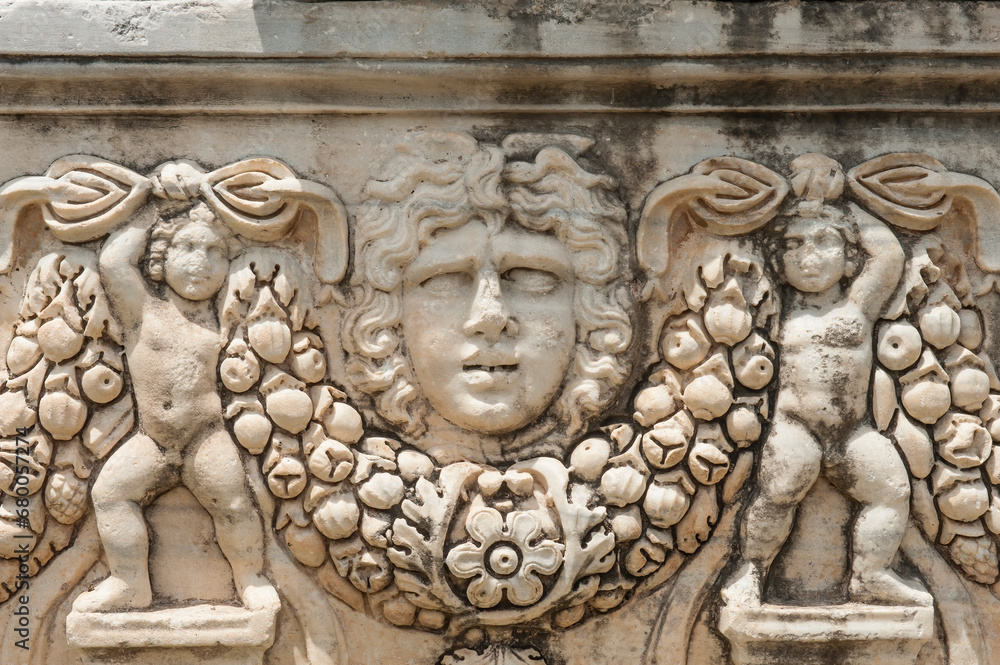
x,y
546,342
432,334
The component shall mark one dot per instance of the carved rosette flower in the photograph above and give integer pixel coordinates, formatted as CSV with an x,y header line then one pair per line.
x,y
508,557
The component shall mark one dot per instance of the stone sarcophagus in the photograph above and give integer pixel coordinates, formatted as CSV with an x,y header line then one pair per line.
x,y
454,334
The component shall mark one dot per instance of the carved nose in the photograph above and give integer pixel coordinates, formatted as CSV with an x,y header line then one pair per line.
x,y
809,258
488,316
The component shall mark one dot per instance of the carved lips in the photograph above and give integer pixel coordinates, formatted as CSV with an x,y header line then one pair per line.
x,y
487,375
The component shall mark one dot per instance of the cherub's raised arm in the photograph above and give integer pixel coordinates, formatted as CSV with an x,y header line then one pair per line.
x,y
883,265
121,276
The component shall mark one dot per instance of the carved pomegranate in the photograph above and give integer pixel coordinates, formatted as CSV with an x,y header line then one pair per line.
x,y
271,338
726,316
755,372
309,365
684,343
337,516
413,465
590,457
926,400
743,426
962,440
964,502
969,388
653,404
61,415
23,354
666,444
622,485
899,345
253,431
940,325
287,479
708,464
331,461
665,504
101,384
289,408
627,525
58,340
241,369
707,397
382,491
343,423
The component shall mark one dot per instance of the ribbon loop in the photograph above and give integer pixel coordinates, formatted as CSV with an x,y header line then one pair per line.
x,y
908,190
82,198
916,192
725,196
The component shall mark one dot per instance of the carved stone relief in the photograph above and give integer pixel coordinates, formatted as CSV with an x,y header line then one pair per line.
x,y
484,407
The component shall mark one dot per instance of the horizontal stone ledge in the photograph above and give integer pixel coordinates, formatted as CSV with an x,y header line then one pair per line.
x,y
851,634
316,86
182,627
451,28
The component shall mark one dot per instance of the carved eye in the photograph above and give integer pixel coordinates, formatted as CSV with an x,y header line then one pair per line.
x,y
447,283
531,280
829,240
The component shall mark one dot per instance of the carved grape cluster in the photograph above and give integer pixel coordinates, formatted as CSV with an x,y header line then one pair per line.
x,y
948,423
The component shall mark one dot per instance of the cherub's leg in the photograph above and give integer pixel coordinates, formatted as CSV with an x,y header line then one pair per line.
x,y
214,474
137,472
871,472
789,467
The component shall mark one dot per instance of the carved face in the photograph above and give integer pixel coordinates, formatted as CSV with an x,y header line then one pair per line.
x,y
197,261
814,255
488,320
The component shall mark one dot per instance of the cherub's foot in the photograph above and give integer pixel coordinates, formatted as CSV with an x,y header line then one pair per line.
x,y
887,588
257,593
743,588
114,594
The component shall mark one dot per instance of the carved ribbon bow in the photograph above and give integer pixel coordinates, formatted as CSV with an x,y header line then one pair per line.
x,y
917,192
83,198
724,195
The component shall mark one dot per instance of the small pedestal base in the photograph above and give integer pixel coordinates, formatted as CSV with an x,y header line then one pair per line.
x,y
849,634
198,635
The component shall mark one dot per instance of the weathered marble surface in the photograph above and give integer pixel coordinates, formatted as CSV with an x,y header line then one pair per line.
x,y
437,332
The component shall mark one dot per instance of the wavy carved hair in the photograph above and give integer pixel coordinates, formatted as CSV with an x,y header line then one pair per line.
x,y
552,195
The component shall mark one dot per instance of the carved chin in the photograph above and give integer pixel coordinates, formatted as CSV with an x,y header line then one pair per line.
x,y
488,418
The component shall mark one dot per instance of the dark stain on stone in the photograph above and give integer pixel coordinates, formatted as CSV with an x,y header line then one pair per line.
x,y
619,12
749,25
941,28
849,22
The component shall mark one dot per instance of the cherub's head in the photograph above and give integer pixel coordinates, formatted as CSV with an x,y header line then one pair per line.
x,y
490,292
817,250
190,252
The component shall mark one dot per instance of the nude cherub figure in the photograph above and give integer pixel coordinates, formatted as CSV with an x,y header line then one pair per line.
x,y
821,423
161,290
